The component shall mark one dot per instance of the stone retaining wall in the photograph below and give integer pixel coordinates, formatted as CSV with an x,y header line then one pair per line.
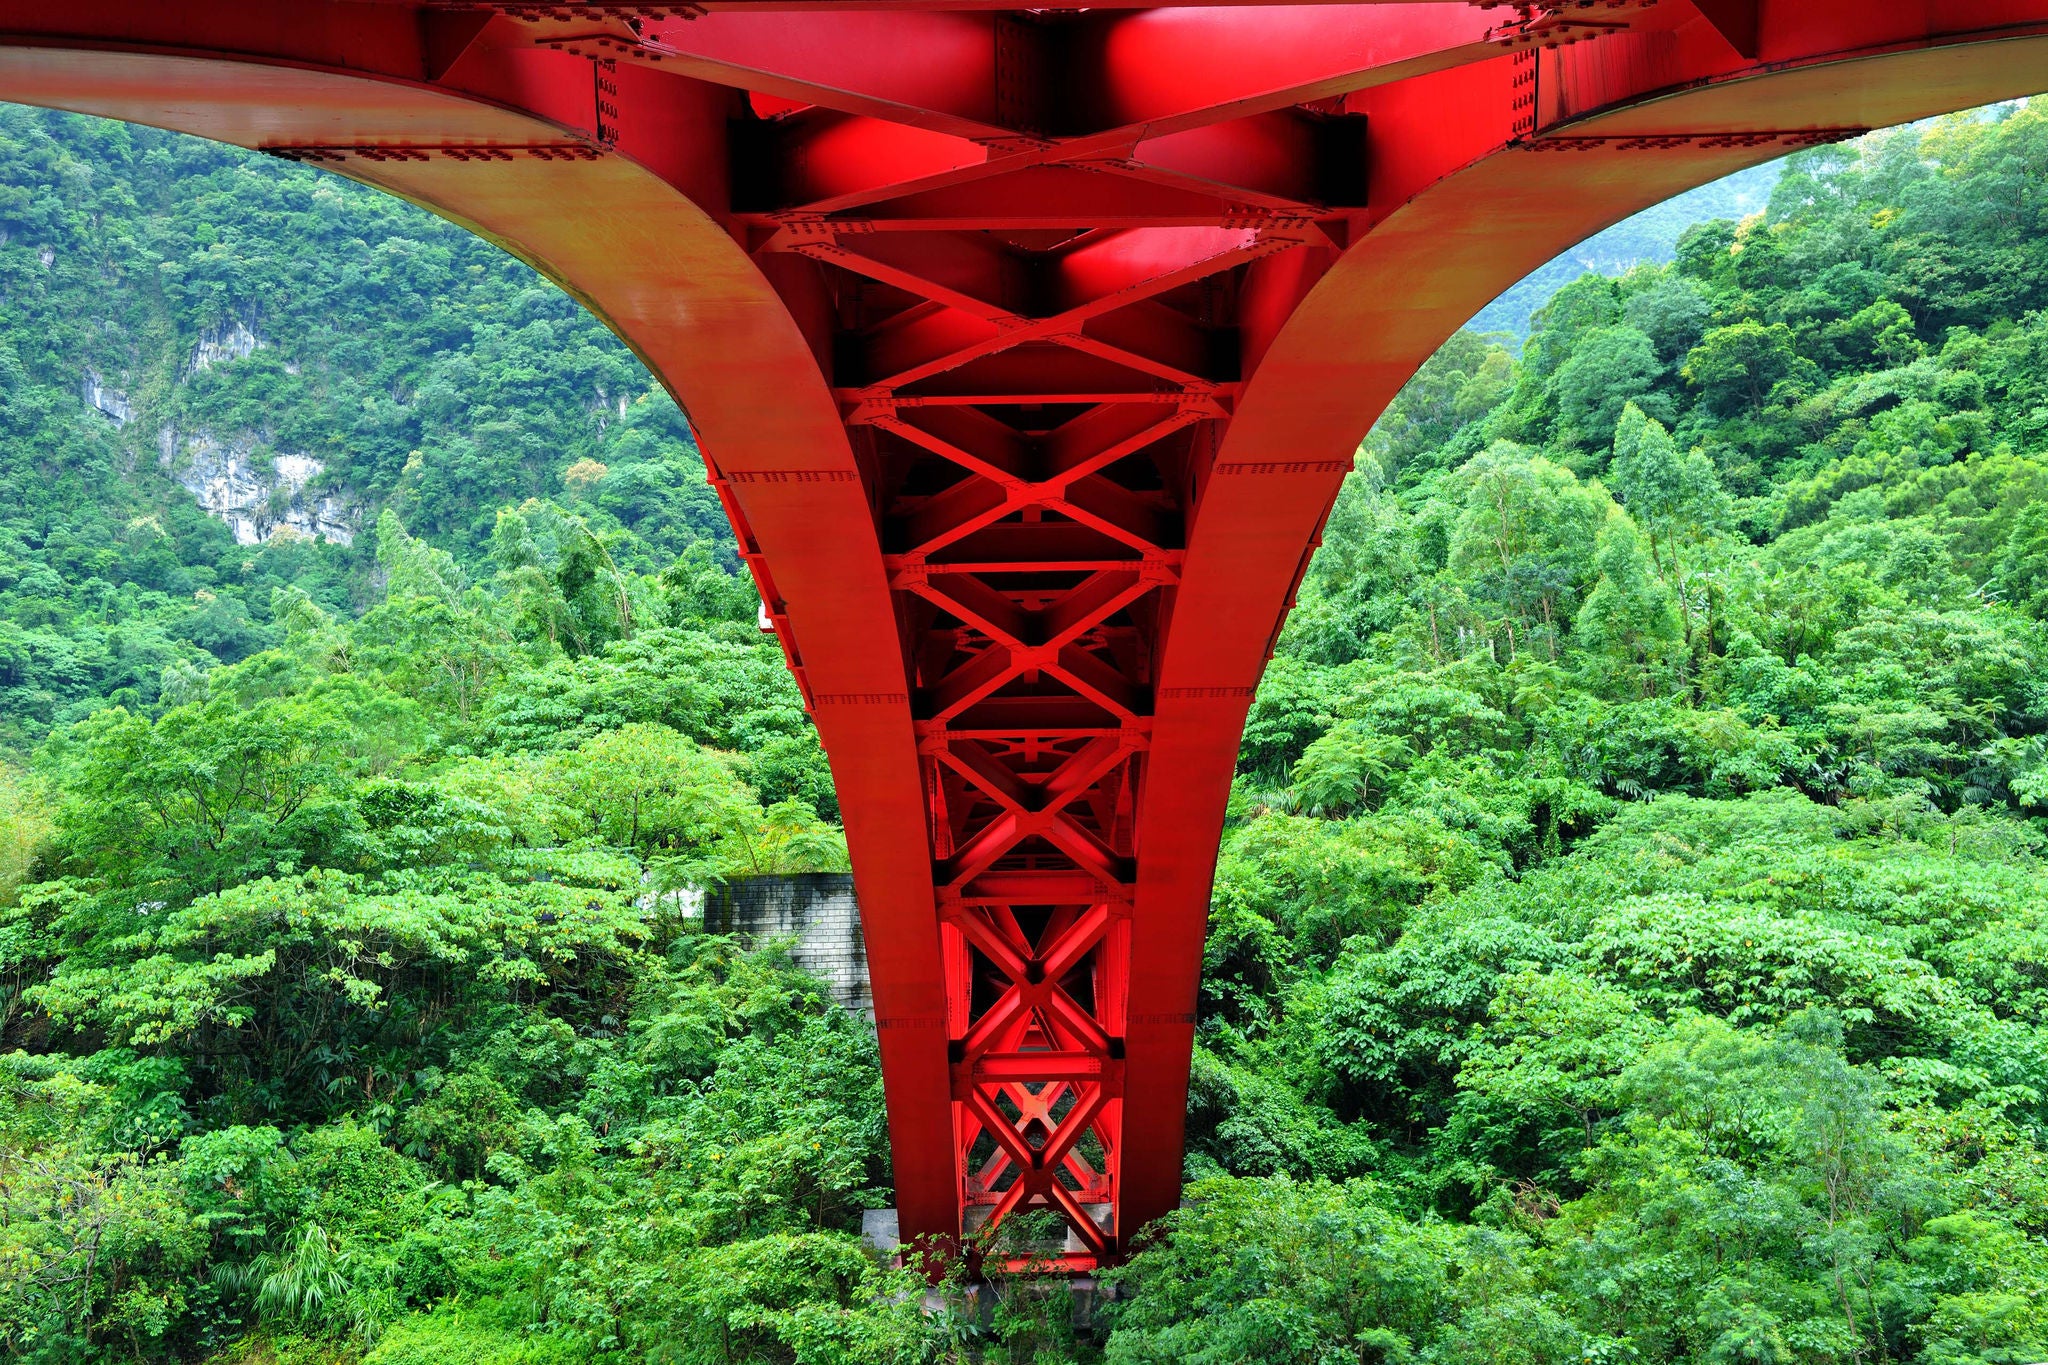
x,y
818,910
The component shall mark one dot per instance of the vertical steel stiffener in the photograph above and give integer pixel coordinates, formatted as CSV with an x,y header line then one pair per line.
x,y
1028,349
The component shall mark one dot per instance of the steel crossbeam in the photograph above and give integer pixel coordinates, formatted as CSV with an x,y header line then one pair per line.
x,y
1027,349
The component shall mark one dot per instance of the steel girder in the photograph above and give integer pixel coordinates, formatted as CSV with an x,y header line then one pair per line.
x,y
1027,349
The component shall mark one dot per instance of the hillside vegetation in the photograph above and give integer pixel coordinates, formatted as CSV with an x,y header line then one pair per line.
x,y
1628,943
424,370
1648,238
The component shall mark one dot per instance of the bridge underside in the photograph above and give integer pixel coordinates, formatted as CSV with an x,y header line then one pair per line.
x,y
1028,349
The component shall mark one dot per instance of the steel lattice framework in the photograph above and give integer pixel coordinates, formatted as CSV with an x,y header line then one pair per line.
x,y
1027,349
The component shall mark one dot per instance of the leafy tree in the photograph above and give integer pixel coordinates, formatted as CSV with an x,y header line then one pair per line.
x,y
1522,538
1549,1060
1305,1270
1610,369
1671,497
1629,618
1673,313
207,796
1337,773
1738,368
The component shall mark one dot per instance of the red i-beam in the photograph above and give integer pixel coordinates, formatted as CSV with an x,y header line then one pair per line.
x,y
1027,349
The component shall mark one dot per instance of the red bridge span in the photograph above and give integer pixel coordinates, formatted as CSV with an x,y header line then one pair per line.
x,y
1027,350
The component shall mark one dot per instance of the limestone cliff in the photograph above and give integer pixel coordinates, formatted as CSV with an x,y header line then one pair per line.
x,y
228,341
108,403
259,496
257,503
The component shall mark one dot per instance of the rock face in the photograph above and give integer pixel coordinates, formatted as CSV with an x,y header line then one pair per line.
x,y
258,501
217,345
257,505
109,403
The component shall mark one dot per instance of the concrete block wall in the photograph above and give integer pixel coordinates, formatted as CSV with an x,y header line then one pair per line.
x,y
818,910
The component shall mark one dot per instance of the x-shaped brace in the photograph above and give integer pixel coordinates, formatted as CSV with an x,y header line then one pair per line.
x,y
1038,1168
1027,811
1119,273
1037,1105
1035,998
1033,642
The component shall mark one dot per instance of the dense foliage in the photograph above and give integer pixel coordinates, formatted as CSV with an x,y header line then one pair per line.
x,y
429,372
1628,942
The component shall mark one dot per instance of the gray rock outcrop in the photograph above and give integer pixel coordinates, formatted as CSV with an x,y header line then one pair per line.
x,y
257,504
109,403
229,341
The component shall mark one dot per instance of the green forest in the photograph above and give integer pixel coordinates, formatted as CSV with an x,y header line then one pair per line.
x,y
1629,945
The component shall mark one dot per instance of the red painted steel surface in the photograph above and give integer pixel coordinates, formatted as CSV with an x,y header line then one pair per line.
x,y
1027,350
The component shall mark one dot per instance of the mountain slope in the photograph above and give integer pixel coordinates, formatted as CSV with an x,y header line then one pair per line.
x,y
1649,238
181,318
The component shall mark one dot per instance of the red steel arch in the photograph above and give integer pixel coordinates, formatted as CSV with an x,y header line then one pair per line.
x,y
1028,349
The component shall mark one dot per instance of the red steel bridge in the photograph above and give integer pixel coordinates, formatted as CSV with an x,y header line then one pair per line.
x,y
1027,349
